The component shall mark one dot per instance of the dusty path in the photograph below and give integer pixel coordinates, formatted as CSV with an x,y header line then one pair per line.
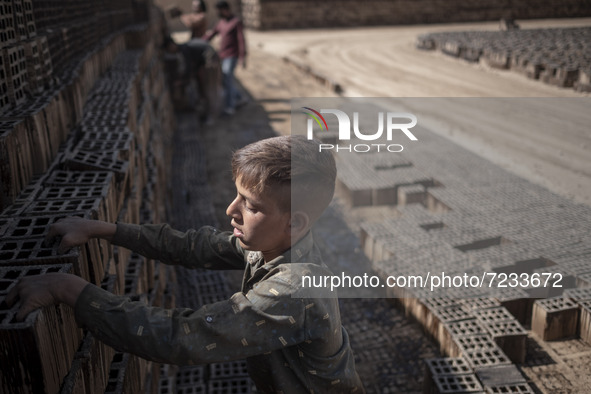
x,y
383,62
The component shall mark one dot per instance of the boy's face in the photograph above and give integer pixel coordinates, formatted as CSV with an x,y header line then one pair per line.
x,y
259,223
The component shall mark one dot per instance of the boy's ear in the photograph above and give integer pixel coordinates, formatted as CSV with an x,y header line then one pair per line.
x,y
299,224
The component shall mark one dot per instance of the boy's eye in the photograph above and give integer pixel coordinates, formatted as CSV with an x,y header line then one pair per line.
x,y
251,209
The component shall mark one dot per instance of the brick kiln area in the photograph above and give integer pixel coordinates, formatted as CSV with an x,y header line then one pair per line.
x,y
99,139
559,56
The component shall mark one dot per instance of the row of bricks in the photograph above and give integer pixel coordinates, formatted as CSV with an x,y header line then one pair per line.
x,y
168,295
454,375
17,21
37,351
49,13
30,142
491,323
25,176
551,55
99,259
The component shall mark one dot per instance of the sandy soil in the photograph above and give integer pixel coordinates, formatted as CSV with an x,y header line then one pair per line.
x,y
544,140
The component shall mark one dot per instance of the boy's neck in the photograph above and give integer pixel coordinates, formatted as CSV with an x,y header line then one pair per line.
x,y
269,256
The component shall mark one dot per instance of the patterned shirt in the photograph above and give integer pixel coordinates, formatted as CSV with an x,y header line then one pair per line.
x,y
293,342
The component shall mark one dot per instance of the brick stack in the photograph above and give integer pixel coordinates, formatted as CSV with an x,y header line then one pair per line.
x,y
51,55
558,57
85,146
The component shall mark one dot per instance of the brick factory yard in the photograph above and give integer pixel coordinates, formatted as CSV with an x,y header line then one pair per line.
x,y
384,62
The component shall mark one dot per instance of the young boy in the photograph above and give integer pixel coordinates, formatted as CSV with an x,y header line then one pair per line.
x,y
293,342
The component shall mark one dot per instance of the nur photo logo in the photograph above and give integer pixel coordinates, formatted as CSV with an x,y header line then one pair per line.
x,y
389,125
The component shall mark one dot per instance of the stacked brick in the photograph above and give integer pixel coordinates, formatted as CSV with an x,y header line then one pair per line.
x,y
94,145
290,14
560,57
51,54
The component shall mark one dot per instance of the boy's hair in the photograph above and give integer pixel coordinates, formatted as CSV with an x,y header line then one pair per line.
x,y
276,164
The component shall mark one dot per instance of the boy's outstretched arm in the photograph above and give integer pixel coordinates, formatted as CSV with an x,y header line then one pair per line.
x,y
202,248
75,231
243,326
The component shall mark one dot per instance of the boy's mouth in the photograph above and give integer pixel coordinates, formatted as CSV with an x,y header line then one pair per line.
x,y
238,233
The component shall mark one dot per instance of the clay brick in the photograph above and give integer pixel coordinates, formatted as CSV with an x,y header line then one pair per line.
x,y
190,376
517,302
518,388
467,383
437,367
233,385
82,161
486,357
555,318
7,28
511,338
124,375
411,194
493,315
78,178
578,295
477,303
199,388
457,329
37,352
468,343
228,369
585,321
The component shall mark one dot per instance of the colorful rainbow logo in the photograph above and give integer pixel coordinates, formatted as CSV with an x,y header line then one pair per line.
x,y
315,115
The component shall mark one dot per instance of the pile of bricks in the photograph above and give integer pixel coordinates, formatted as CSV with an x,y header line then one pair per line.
x,y
95,146
560,57
462,215
38,351
53,54
455,375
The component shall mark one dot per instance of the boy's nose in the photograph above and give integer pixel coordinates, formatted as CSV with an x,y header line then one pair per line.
x,y
232,210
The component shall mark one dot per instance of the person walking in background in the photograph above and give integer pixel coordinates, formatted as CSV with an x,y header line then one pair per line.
x,y
196,21
200,65
232,51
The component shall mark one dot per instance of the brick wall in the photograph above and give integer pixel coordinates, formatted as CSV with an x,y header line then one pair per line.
x,y
290,14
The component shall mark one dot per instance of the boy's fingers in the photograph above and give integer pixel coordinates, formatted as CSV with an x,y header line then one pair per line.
x,y
63,246
12,295
24,311
51,234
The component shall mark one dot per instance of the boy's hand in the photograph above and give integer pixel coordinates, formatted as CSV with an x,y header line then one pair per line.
x,y
75,231
43,290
